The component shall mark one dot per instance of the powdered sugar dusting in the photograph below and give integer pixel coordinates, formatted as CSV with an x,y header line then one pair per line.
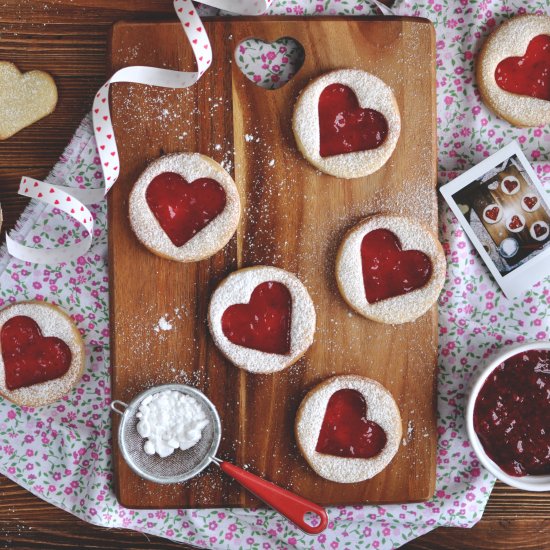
x,y
211,238
54,322
237,289
372,93
509,40
400,309
381,408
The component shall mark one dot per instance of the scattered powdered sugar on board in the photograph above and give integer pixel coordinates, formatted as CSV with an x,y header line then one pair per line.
x,y
381,408
52,322
237,289
163,324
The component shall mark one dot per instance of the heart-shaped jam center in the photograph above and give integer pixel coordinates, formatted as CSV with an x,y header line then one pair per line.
x,y
493,213
528,75
515,223
389,271
345,127
530,202
540,230
510,185
30,358
345,431
181,208
264,323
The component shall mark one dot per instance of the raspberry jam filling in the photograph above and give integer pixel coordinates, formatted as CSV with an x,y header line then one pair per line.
x,y
512,414
264,323
389,271
515,223
528,75
530,202
510,185
344,126
345,431
181,208
30,358
493,213
539,230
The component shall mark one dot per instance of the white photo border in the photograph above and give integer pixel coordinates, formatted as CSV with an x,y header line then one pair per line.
x,y
534,270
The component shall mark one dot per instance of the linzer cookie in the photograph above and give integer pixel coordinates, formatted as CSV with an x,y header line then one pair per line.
x,y
513,70
390,269
42,353
262,319
184,207
347,123
348,428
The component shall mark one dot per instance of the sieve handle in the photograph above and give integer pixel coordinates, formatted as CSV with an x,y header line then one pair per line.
x,y
116,403
291,506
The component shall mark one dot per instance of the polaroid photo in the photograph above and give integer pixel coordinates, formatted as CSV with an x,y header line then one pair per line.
x,y
500,204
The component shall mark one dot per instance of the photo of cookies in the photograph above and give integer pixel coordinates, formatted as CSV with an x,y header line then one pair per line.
x,y
504,206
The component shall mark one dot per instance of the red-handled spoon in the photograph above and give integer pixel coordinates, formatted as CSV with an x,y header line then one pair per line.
x,y
291,506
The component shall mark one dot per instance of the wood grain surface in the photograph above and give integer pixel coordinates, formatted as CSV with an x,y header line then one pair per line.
x,y
70,42
293,218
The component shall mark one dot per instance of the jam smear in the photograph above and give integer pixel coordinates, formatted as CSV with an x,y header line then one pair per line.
x,y
515,223
492,213
512,414
30,358
540,230
345,431
389,271
264,323
510,185
181,208
530,202
528,75
344,126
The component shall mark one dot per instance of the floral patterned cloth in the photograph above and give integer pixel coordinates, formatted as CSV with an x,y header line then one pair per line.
x,y
62,452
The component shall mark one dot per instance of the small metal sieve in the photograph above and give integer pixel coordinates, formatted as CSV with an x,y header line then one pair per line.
x,y
183,465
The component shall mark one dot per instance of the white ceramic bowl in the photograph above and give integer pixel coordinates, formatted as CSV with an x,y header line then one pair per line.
x,y
527,483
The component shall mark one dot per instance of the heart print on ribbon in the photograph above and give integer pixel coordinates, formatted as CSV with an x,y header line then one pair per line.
x,y
72,201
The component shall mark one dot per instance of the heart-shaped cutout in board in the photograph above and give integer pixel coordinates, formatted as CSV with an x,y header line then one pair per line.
x,y
390,271
528,75
182,208
264,323
29,357
270,65
345,431
27,96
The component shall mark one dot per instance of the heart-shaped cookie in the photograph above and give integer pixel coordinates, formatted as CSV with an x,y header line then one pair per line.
x,y
270,65
24,98
348,428
262,319
510,185
530,203
344,127
515,223
390,271
539,231
264,323
345,431
184,207
181,208
30,358
492,213
528,75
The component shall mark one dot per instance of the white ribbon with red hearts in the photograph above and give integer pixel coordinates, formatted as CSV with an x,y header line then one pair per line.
x,y
72,201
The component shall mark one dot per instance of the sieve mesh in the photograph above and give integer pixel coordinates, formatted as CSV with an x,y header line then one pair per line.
x,y
180,465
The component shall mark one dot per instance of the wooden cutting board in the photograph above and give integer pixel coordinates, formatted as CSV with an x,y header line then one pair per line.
x,y
294,218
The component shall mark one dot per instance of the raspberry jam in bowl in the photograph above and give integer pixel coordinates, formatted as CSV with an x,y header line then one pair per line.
x,y
508,416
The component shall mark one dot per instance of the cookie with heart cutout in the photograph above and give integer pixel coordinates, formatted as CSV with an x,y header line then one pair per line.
x,y
262,319
513,70
348,428
184,207
42,354
25,98
347,123
390,269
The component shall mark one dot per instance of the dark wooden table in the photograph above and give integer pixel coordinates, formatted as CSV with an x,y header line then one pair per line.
x,y
68,39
